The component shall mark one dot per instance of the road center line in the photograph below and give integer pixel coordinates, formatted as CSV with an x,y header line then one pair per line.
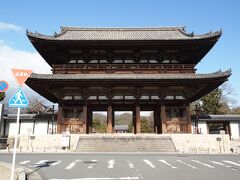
x,y
149,163
165,162
204,164
111,163
189,165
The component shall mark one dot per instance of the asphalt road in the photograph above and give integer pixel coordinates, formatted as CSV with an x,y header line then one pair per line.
x,y
130,166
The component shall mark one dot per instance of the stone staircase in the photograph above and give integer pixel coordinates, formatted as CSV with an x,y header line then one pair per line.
x,y
125,143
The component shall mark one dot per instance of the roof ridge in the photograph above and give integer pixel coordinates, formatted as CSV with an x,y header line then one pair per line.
x,y
74,28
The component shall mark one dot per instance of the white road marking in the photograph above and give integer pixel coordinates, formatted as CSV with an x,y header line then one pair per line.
x,y
105,178
91,165
111,163
55,163
24,162
218,163
230,162
71,165
37,164
149,163
165,162
204,164
221,164
41,162
189,165
130,164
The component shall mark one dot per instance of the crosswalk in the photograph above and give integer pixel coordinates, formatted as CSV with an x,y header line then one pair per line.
x,y
153,164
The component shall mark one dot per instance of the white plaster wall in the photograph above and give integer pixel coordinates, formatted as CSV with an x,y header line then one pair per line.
x,y
235,134
202,127
12,128
41,127
26,127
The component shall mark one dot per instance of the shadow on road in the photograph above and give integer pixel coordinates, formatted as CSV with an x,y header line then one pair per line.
x,y
40,166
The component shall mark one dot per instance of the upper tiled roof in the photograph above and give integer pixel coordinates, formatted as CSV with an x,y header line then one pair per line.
x,y
161,33
129,76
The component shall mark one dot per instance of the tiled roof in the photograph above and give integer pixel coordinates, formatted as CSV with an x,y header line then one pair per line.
x,y
161,33
129,76
227,117
22,116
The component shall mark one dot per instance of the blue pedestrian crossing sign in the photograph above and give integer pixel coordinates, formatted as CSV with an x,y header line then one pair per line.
x,y
19,100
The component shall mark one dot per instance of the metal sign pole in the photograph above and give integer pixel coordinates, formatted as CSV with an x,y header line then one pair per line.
x,y
15,146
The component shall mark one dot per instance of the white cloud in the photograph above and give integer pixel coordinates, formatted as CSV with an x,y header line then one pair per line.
x,y
10,27
13,58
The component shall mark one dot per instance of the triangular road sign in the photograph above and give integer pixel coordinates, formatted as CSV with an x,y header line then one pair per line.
x,y
21,75
18,100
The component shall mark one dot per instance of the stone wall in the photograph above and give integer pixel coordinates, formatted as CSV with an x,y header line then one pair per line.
x,y
201,143
46,143
184,143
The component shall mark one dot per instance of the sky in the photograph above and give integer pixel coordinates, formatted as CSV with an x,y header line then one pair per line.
x,y
46,17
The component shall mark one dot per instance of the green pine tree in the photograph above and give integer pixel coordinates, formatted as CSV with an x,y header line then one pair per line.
x,y
2,96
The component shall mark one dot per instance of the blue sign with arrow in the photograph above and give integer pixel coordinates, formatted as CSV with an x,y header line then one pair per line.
x,y
3,86
19,100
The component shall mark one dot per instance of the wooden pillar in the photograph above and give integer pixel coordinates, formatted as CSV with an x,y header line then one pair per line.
x,y
134,120
163,118
137,120
85,120
109,119
89,129
188,117
157,122
59,119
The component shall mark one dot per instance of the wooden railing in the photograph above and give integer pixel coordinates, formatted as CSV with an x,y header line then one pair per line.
x,y
111,68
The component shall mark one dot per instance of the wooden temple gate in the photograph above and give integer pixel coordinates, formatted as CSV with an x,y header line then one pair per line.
x,y
134,69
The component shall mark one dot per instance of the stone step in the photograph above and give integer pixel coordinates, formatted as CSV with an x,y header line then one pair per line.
x,y
144,143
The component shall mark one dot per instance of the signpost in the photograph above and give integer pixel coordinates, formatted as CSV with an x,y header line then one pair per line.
x,y
3,86
18,100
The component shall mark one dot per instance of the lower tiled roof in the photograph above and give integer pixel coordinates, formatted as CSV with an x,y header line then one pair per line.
x,y
129,76
226,117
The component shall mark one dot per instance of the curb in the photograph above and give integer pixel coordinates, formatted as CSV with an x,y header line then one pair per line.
x,y
32,175
21,173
